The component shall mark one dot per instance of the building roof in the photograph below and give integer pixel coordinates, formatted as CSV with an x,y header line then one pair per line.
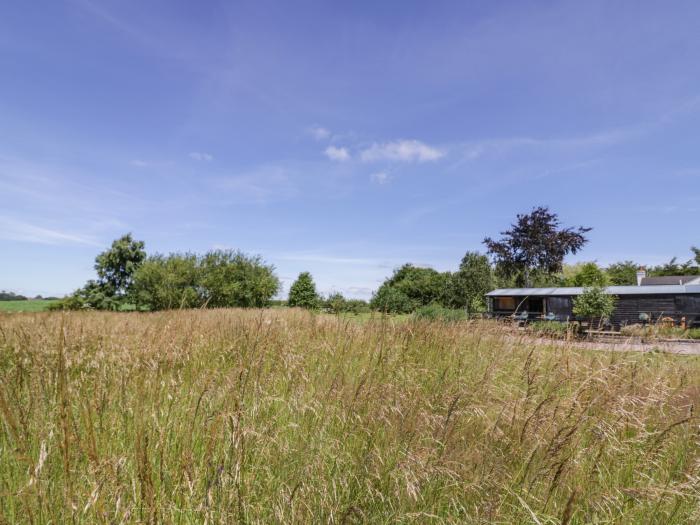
x,y
670,279
612,290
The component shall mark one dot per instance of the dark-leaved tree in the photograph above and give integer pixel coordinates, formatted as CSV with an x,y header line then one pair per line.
x,y
535,244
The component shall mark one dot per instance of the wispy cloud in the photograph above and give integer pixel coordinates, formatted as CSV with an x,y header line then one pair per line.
x,y
262,185
319,132
140,163
200,156
380,178
402,151
15,230
337,153
474,150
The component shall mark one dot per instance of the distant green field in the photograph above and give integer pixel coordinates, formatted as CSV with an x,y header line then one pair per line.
x,y
32,305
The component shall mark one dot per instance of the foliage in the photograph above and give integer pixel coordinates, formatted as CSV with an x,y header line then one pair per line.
x,y
421,286
673,267
587,274
115,269
303,293
468,286
622,273
391,300
534,244
594,303
169,282
336,304
436,312
93,296
116,266
10,296
657,330
220,416
551,328
231,278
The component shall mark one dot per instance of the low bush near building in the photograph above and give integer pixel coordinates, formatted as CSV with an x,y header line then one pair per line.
x,y
552,328
435,312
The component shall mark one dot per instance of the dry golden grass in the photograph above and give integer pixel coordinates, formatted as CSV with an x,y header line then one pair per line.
x,y
283,416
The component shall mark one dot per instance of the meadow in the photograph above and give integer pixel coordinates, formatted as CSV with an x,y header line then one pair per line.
x,y
31,305
286,416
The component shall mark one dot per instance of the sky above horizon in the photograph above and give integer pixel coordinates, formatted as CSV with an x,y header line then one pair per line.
x,y
342,139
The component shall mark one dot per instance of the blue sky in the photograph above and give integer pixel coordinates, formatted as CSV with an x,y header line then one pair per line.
x,y
342,138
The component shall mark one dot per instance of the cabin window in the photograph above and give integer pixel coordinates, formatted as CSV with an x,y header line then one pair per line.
x,y
504,303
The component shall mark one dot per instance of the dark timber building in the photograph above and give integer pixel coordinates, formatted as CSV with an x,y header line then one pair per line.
x,y
652,299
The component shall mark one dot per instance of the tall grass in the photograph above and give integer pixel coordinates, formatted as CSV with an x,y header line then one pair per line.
x,y
284,416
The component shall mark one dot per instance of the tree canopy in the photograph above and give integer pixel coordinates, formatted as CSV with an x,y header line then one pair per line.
x,y
535,244
116,266
468,286
303,293
622,273
594,303
411,286
586,274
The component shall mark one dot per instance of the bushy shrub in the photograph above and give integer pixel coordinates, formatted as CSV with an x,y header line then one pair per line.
x,y
93,296
233,279
594,303
168,282
693,333
435,312
635,330
356,306
411,287
552,328
337,303
391,300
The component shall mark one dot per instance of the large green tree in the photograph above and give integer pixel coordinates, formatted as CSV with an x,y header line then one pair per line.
x,y
116,266
166,282
421,286
587,274
622,273
233,279
535,244
303,293
468,286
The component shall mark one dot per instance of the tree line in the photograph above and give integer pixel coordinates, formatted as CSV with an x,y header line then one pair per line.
x,y
530,253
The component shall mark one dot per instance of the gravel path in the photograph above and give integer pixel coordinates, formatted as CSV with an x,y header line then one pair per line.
x,y
689,348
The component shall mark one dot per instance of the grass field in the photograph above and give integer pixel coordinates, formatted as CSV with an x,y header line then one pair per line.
x,y
272,416
32,305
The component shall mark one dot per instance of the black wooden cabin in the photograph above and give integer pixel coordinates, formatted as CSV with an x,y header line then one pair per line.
x,y
634,304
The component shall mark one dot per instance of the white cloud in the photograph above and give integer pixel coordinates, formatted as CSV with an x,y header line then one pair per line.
x,y
199,156
380,177
266,183
319,132
401,150
339,154
14,230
